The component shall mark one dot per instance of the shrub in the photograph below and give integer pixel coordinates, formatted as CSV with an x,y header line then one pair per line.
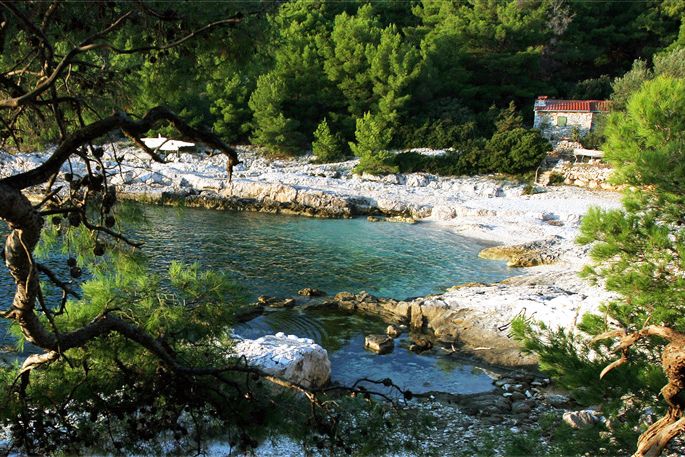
x,y
515,151
327,147
596,138
435,133
465,161
373,138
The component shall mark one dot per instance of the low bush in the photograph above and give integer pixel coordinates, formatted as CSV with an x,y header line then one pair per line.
x,y
515,151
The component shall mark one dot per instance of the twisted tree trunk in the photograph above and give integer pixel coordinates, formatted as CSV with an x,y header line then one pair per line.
x,y
653,441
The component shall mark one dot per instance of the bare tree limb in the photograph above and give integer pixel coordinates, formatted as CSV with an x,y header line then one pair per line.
x,y
101,127
653,441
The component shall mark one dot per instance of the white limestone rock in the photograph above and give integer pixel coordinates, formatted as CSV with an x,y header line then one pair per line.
x,y
297,360
583,419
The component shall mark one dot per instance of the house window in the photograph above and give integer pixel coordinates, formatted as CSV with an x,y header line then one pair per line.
x,y
561,121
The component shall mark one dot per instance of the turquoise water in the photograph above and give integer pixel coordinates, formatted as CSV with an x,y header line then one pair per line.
x,y
278,255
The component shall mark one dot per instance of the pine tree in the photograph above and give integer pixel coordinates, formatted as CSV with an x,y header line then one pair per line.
x,y
326,146
347,57
280,135
373,138
639,253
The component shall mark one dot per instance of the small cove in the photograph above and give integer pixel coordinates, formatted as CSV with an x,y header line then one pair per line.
x,y
277,255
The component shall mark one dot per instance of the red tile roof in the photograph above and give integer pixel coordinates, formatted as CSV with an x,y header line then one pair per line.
x,y
546,104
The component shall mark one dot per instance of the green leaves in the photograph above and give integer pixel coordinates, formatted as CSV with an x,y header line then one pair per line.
x,y
647,143
373,138
326,146
515,151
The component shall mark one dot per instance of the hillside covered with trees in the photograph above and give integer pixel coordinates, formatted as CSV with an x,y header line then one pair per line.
x,y
328,76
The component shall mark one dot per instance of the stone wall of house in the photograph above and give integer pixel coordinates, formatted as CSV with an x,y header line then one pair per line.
x,y
547,123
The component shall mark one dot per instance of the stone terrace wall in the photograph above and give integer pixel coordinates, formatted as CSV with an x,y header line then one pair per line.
x,y
561,167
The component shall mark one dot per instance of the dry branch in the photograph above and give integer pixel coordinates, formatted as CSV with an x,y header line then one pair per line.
x,y
653,441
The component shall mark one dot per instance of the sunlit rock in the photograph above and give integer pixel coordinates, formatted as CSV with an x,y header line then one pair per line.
x,y
380,344
393,331
311,292
297,360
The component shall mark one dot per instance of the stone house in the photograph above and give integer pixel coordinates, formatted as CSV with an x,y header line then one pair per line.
x,y
565,119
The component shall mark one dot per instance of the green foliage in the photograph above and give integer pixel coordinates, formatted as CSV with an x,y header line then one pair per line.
x,y
646,143
515,151
326,146
230,105
348,57
670,63
373,138
629,83
443,124
594,39
436,134
94,392
596,138
276,75
272,129
563,441
395,65
593,89
638,252
509,119
492,36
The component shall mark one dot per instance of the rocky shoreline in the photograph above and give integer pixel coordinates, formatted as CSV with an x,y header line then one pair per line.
x,y
537,230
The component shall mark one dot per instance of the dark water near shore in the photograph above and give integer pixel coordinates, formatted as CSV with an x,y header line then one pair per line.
x,y
278,255
343,336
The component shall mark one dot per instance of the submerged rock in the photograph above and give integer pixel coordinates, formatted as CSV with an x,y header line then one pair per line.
x,y
310,292
380,344
403,219
297,360
393,331
387,309
248,312
420,344
274,302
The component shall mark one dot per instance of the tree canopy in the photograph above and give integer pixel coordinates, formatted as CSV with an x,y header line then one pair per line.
x,y
422,66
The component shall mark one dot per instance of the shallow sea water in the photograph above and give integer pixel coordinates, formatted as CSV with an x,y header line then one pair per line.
x,y
277,255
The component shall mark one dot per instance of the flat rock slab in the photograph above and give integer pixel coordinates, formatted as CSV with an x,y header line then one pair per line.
x,y
380,344
297,360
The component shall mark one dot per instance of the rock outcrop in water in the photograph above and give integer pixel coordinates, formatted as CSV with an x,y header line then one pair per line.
x,y
380,344
531,254
477,316
297,360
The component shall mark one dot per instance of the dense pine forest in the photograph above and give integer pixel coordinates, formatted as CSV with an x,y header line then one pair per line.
x,y
355,77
